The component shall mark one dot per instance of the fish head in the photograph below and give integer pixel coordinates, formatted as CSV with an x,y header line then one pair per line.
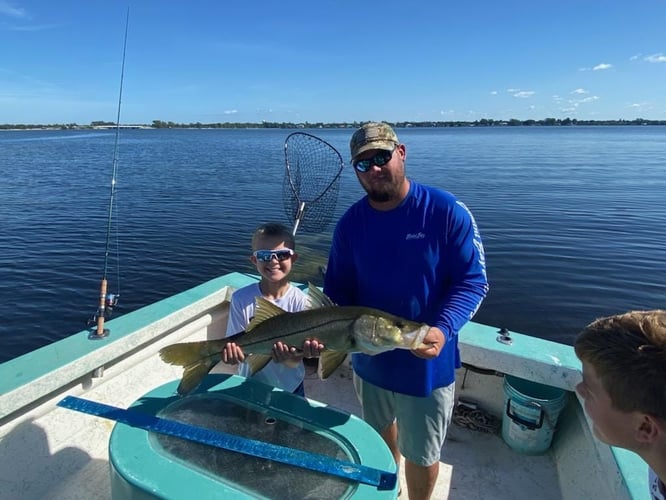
x,y
377,332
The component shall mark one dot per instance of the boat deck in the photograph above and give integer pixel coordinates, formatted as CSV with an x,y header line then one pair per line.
x,y
474,465
55,453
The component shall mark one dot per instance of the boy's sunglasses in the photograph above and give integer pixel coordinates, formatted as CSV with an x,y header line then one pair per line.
x,y
267,255
380,159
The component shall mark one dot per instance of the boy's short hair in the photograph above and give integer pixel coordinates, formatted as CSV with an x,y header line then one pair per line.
x,y
628,353
274,230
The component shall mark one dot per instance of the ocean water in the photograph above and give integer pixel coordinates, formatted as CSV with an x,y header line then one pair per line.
x,y
573,219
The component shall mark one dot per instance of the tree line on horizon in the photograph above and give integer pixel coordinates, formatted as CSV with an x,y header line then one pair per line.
x,y
484,122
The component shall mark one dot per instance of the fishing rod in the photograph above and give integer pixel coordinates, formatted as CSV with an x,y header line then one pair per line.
x,y
107,301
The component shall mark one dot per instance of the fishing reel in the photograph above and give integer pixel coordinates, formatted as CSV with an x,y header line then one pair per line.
x,y
110,301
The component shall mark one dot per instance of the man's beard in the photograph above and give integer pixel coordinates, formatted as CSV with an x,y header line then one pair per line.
x,y
387,192
379,196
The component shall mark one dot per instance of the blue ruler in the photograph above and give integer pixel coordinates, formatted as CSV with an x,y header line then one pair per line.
x,y
382,480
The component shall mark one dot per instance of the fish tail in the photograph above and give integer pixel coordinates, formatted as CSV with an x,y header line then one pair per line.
x,y
198,358
193,375
184,354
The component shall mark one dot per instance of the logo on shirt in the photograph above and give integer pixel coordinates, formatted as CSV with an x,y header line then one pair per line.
x,y
415,236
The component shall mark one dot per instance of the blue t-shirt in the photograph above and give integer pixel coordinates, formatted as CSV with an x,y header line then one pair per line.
x,y
423,261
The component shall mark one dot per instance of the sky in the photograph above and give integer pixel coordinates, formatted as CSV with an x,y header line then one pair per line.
x,y
331,60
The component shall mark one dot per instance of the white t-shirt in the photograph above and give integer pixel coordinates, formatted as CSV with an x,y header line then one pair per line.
x,y
655,491
241,312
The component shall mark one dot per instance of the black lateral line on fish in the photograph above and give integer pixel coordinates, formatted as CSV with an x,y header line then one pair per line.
x,y
276,338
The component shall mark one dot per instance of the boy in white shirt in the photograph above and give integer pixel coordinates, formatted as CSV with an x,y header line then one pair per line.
x,y
273,253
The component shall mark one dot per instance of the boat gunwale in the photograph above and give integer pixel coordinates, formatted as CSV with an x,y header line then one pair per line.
x,y
36,375
42,375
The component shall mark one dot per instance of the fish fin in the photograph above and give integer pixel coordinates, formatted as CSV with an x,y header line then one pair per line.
x,y
196,357
256,362
193,375
318,298
328,362
264,310
184,353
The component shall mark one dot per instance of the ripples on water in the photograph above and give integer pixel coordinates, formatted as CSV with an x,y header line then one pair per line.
x,y
573,219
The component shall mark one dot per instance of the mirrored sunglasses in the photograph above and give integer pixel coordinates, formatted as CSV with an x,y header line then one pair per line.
x,y
268,255
380,159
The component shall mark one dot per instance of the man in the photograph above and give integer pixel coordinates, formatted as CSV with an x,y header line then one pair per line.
x,y
414,251
624,369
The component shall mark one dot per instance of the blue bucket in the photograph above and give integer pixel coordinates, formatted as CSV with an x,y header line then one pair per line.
x,y
532,410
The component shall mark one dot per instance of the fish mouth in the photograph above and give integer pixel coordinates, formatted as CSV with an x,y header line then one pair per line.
x,y
414,340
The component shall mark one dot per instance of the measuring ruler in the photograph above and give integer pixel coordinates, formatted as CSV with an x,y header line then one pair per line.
x,y
382,480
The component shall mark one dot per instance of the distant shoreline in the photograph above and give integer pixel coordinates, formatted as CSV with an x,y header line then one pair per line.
x,y
159,124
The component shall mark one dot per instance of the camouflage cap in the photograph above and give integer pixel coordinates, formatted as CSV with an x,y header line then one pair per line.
x,y
372,135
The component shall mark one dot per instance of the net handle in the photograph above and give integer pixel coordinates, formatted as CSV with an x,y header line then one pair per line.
x,y
299,217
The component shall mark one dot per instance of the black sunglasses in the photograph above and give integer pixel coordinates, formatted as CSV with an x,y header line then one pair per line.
x,y
380,159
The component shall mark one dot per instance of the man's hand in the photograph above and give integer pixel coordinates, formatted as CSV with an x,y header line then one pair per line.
x,y
434,342
232,354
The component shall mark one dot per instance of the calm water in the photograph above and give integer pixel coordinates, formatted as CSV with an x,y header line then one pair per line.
x,y
573,219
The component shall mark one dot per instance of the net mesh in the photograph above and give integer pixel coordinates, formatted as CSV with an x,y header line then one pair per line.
x,y
311,181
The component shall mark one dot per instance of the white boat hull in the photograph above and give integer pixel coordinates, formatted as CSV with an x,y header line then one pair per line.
x,y
53,452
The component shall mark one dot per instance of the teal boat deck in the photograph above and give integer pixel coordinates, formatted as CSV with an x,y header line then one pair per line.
x,y
53,453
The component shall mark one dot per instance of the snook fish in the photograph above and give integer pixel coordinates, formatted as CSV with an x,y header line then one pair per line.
x,y
342,330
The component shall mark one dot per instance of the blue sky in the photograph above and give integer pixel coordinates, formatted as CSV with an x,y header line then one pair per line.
x,y
332,60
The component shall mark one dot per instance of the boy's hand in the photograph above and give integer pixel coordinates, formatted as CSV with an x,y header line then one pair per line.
x,y
434,342
232,354
290,356
312,348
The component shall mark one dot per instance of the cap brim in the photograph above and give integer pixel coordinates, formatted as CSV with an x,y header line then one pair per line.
x,y
386,145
